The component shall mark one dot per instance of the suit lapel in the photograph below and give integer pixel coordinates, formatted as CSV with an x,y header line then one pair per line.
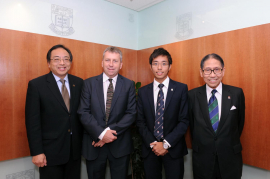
x,y
52,85
118,87
171,89
225,106
72,87
150,94
202,98
100,92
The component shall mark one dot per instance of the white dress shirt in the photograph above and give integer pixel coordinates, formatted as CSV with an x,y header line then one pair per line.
x,y
106,84
165,90
59,83
218,95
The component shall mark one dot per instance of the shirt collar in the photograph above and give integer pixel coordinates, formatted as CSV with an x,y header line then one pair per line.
x,y
106,78
209,90
165,82
58,79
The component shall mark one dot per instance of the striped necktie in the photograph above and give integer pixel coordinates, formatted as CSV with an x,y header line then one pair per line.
x,y
213,110
158,128
109,101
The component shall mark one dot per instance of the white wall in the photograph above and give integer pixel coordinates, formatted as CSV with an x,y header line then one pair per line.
x,y
95,21
158,24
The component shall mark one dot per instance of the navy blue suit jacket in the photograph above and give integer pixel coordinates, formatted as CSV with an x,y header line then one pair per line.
x,y
122,115
175,118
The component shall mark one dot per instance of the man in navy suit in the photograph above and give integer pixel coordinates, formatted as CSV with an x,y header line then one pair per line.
x,y
163,120
217,115
107,110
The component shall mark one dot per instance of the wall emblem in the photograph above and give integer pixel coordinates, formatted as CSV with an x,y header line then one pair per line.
x,y
27,174
62,19
183,26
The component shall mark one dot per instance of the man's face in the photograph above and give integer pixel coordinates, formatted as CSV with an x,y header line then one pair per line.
x,y
111,64
60,62
212,80
160,67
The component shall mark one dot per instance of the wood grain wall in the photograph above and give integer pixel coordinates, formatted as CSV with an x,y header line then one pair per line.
x,y
22,58
246,53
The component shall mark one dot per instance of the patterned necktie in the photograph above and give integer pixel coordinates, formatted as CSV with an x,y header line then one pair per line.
x,y
158,128
109,100
65,94
213,110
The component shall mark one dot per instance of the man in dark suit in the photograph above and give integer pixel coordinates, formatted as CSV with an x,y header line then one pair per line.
x,y
53,128
107,110
217,114
163,120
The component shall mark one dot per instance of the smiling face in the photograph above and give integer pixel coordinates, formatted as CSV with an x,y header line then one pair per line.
x,y
59,63
111,64
212,80
160,67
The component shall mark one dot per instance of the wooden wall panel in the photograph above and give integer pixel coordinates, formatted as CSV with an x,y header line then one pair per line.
x,y
246,53
22,58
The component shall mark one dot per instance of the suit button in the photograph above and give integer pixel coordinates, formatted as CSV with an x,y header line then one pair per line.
x,y
69,115
215,138
69,130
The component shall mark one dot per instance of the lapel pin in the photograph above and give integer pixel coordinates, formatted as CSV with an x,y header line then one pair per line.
x,y
171,89
73,85
229,97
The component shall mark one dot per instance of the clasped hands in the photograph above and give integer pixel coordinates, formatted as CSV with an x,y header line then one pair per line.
x,y
158,148
109,137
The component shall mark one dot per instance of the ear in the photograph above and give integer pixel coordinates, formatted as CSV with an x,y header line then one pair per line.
x,y
201,72
49,64
150,67
170,67
223,71
121,65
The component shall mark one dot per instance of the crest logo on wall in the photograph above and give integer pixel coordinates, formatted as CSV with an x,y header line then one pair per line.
x,y
183,26
62,19
28,174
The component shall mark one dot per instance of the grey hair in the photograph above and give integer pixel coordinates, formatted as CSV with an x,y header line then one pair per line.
x,y
113,49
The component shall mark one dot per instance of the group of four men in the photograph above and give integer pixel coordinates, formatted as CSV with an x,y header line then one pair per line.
x,y
66,116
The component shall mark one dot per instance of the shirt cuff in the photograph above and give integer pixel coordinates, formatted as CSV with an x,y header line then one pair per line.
x,y
103,133
167,143
151,146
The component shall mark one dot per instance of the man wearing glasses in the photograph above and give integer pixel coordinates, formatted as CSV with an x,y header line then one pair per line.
x,y
53,128
163,120
217,114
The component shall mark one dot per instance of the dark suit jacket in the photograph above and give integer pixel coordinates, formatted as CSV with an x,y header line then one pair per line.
x,y
122,115
175,118
225,143
48,121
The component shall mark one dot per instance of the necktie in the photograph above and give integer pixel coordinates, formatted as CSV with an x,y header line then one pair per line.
x,y
158,129
109,100
213,110
65,94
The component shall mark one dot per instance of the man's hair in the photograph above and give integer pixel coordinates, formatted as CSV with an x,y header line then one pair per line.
x,y
160,52
113,49
214,56
56,47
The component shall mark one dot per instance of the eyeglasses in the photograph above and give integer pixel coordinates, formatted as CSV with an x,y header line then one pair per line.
x,y
155,64
58,60
216,71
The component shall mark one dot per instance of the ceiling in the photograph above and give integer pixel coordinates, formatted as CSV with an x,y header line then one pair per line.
x,y
136,5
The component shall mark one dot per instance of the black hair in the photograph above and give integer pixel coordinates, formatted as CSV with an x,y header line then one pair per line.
x,y
212,55
160,52
56,47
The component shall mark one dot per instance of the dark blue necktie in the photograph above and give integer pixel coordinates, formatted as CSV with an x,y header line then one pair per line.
x,y
158,129
213,110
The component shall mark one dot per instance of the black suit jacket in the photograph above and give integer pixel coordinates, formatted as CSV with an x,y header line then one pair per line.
x,y
48,121
122,115
225,143
175,118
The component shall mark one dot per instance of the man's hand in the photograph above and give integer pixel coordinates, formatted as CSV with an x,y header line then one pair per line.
x,y
39,160
109,136
98,144
158,149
